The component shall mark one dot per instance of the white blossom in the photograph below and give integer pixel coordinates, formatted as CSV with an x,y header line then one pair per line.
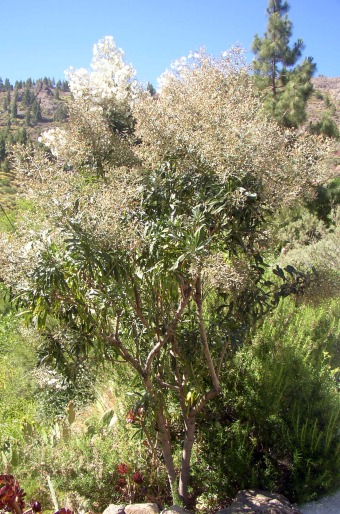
x,y
55,139
110,79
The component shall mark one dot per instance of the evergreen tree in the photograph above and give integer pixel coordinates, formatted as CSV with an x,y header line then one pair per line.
x,y
61,113
14,109
22,136
8,86
151,89
65,86
36,111
28,117
27,97
2,146
287,87
7,100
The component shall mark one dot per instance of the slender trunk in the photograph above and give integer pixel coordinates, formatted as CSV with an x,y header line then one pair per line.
x,y
167,455
165,438
186,458
274,77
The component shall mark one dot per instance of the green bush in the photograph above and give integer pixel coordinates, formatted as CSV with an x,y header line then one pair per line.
x,y
277,425
326,126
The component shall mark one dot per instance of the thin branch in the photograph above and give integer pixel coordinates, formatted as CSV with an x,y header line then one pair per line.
x,y
166,385
169,331
128,357
220,362
137,307
204,400
180,382
204,339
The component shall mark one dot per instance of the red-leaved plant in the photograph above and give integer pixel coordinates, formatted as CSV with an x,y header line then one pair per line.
x,y
12,498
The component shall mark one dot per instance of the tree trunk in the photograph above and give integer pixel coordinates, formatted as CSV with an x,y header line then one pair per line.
x,y
167,455
165,439
186,458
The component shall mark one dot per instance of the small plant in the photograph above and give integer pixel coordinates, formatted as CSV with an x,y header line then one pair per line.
x,y
129,482
12,498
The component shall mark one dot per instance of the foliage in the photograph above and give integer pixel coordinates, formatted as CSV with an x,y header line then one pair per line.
x,y
276,426
16,383
326,126
326,200
286,88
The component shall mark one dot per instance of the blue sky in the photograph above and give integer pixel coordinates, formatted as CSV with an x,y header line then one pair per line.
x,y
44,37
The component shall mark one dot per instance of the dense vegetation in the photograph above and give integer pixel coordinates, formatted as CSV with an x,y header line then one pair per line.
x,y
179,279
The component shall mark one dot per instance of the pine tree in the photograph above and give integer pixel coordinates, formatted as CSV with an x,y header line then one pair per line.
x,y
28,117
27,97
36,111
8,86
14,109
7,100
65,86
2,146
286,87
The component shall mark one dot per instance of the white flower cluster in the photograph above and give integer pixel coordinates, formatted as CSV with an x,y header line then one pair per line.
x,y
180,67
110,79
55,139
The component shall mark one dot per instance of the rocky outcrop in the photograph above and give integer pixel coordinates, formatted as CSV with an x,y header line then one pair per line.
x,y
259,502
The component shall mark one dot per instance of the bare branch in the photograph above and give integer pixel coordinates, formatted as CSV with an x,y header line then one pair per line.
x,y
137,307
204,339
220,362
204,400
186,295
166,385
128,357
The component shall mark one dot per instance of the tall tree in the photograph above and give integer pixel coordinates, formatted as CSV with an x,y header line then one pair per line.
x,y
286,87
36,111
159,261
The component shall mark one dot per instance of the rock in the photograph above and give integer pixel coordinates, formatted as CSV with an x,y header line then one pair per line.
x,y
259,502
114,509
175,509
142,508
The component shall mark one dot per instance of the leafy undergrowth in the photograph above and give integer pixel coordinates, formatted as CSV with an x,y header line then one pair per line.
x,y
275,428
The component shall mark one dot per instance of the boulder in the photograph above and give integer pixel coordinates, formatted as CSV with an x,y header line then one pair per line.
x,y
175,509
114,509
260,502
142,508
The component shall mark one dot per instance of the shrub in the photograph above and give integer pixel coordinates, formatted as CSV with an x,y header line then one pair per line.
x,y
277,425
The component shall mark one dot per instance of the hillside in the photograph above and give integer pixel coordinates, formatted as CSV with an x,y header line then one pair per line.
x,y
326,97
26,110
38,106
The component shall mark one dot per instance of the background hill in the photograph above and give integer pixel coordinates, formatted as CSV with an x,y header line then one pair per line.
x,y
27,108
